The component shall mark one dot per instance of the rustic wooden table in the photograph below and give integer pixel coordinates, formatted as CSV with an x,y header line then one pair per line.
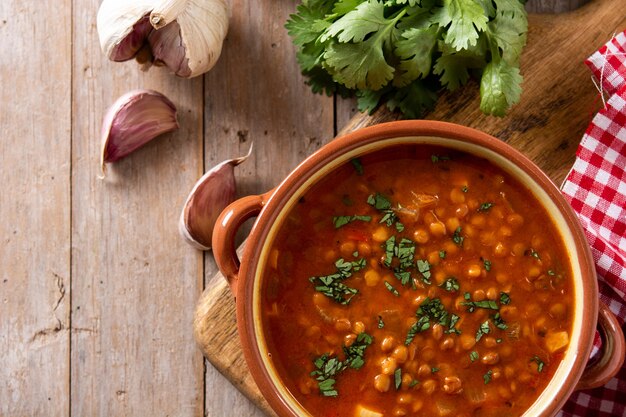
x,y
97,289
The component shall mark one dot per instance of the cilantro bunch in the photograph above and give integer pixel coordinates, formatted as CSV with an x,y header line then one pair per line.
x,y
404,52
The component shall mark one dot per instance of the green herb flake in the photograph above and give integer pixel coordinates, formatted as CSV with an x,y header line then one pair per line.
x,y
485,207
539,362
392,289
399,227
381,323
499,322
483,330
464,189
423,266
379,201
358,166
332,285
413,383
487,376
486,304
397,377
551,272
327,367
390,250
439,158
487,264
473,355
434,369
422,324
505,299
442,254
457,238
533,253
340,221
451,284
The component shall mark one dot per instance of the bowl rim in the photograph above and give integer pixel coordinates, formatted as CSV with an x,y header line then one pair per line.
x,y
278,198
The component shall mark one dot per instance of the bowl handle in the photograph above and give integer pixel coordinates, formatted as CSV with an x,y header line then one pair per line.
x,y
600,371
224,231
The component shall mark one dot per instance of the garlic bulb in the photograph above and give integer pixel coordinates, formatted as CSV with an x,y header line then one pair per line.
x,y
184,35
211,194
133,120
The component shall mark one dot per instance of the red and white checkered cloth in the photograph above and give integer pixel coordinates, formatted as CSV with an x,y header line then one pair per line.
x,y
596,189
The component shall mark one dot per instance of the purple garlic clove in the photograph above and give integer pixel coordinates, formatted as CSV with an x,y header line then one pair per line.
x,y
133,120
209,196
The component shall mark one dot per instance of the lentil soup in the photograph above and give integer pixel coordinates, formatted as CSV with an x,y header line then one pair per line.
x,y
417,281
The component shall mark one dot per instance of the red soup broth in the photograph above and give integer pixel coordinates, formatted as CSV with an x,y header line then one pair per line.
x,y
417,281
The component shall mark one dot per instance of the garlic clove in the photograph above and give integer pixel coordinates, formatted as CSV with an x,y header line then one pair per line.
x,y
123,27
167,48
134,119
192,38
209,196
203,28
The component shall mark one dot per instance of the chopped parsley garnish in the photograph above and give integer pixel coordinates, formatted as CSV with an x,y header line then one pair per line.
x,y
464,189
434,369
339,221
327,367
405,252
473,305
487,376
473,355
533,253
499,322
487,264
551,272
355,253
485,207
399,227
483,330
392,289
382,204
397,377
381,323
457,238
442,254
413,383
505,299
404,277
539,362
439,158
423,266
431,310
422,324
390,249
450,284
453,321
332,285
358,166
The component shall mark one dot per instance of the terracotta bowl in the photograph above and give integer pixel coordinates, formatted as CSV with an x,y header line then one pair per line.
x,y
245,278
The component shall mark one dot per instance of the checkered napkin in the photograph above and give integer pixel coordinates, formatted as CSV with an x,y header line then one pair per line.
x,y
596,189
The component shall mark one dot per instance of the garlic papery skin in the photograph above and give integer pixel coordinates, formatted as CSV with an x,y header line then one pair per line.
x,y
134,119
192,38
215,190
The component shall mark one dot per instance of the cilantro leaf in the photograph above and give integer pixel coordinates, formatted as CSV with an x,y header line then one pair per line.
x,y
464,20
415,49
499,87
359,65
368,17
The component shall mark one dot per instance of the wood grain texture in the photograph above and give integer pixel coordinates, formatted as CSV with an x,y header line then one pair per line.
x,y
557,104
554,6
133,278
35,123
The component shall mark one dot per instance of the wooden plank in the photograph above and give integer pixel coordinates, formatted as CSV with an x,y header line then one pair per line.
x,y
556,107
134,281
255,94
35,122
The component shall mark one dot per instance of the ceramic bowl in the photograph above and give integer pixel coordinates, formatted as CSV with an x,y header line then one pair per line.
x,y
245,277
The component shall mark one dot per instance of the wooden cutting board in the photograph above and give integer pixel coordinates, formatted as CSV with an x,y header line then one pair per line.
x,y
557,104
